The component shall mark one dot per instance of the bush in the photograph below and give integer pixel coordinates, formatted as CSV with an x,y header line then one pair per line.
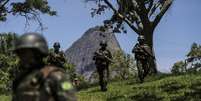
x,y
123,66
8,64
178,68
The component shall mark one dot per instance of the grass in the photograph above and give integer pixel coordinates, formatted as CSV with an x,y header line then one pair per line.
x,y
171,88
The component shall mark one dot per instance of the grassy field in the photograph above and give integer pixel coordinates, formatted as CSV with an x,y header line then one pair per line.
x,y
172,88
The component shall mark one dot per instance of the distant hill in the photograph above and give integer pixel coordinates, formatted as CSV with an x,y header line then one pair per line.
x,y
82,50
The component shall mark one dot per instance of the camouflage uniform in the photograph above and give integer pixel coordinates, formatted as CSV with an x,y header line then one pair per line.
x,y
102,59
142,55
38,82
56,58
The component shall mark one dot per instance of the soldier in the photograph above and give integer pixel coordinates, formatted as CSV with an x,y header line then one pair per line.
x,y
102,59
57,58
37,82
143,55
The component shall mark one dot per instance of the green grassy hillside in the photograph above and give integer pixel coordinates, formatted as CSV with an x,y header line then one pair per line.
x,y
172,88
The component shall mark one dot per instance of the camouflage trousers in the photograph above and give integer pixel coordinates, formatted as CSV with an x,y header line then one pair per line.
x,y
143,69
103,72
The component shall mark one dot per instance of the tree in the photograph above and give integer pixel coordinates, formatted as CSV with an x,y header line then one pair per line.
x,y
194,58
195,51
178,68
123,65
8,61
142,16
7,42
30,9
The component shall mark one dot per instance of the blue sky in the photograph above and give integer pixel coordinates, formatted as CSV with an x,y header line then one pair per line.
x,y
179,28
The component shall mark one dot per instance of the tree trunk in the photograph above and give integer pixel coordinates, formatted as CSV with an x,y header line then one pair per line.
x,y
148,34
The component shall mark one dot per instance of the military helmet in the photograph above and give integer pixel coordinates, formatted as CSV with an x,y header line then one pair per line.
x,y
32,41
141,37
103,43
56,44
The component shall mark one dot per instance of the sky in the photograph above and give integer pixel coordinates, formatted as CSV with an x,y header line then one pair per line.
x,y
178,29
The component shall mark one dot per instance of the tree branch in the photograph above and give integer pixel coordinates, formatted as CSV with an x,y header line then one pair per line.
x,y
122,17
142,13
4,3
165,7
150,5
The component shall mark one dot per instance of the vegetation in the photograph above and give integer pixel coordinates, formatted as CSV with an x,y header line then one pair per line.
x,y
164,88
123,65
195,51
29,9
192,63
172,88
8,61
179,67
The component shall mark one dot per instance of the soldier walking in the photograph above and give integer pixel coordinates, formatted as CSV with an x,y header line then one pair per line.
x,y
37,82
102,59
143,56
56,58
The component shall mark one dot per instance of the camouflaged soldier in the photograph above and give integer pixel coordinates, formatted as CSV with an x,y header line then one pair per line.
x,y
38,82
142,55
102,59
56,58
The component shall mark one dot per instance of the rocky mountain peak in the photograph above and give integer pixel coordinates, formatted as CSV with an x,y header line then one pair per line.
x,y
81,51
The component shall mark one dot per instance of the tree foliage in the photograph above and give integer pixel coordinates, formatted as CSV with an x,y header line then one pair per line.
x,y
140,15
8,61
195,51
194,58
29,9
123,65
192,63
7,42
178,68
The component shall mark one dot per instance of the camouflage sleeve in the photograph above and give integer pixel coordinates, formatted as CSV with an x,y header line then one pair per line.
x,y
62,88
